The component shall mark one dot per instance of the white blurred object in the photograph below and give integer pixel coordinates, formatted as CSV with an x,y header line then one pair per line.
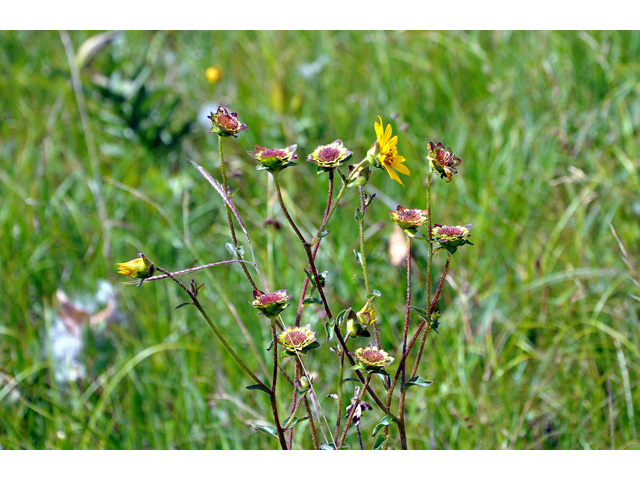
x,y
65,336
203,115
398,247
310,70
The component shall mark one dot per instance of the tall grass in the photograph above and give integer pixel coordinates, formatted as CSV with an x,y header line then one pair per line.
x,y
538,347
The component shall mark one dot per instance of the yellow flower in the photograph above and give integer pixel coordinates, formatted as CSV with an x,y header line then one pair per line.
x,y
388,152
213,74
367,315
140,267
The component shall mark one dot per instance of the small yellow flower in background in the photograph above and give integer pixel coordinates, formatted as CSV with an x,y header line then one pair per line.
x,y
371,356
386,151
327,157
140,267
408,219
271,304
297,339
213,74
443,160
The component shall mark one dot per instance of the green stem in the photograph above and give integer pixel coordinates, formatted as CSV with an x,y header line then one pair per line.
x,y
363,259
272,396
229,218
340,388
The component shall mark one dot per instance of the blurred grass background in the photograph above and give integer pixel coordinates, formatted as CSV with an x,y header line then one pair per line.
x,y
538,346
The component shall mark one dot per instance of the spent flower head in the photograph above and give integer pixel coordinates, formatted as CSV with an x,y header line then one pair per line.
x,y
274,159
328,157
140,267
371,356
297,339
443,160
451,237
226,124
271,304
360,407
408,219
384,153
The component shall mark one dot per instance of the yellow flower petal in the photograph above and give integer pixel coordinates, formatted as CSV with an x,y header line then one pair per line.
x,y
393,175
401,168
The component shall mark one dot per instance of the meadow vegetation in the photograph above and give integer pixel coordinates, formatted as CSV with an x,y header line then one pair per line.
x,y
538,346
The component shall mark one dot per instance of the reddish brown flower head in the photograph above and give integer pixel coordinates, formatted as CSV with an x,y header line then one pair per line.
x,y
409,219
371,356
451,237
274,159
330,156
271,304
296,339
226,123
443,160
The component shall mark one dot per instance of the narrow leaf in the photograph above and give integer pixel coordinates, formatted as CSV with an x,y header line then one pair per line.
x,y
379,442
257,386
312,300
420,311
384,422
266,429
418,381
183,305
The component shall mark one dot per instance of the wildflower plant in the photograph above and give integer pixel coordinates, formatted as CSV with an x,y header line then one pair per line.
x,y
292,346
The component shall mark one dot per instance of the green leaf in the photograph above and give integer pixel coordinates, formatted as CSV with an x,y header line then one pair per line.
x,y
379,442
183,305
342,315
420,311
288,424
358,257
270,346
329,331
327,446
312,300
358,366
358,215
384,422
257,386
311,346
418,381
322,234
375,293
350,379
266,429
233,251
